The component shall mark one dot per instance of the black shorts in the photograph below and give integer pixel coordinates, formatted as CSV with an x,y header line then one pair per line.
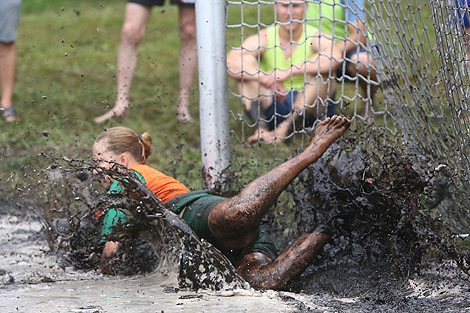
x,y
160,2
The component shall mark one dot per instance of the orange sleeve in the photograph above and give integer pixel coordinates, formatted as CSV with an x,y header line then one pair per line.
x,y
163,186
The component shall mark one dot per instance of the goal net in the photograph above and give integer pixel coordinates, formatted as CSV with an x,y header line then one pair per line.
x,y
411,92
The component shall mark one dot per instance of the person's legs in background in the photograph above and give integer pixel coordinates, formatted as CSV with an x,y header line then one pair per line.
x,y
362,65
132,32
7,79
9,18
187,61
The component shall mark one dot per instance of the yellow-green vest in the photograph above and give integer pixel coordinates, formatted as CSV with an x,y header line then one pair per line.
x,y
332,20
273,56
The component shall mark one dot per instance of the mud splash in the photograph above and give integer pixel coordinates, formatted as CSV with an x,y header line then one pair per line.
x,y
155,239
388,253
379,208
376,204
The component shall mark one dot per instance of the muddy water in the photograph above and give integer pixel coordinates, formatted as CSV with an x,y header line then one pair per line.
x,y
385,255
34,280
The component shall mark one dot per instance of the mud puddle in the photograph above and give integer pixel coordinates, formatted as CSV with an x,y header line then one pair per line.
x,y
33,281
386,254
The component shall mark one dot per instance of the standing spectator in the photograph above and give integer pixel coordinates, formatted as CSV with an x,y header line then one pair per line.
x,y
137,14
9,17
344,21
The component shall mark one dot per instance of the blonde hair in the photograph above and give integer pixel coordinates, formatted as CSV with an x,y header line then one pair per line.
x,y
123,139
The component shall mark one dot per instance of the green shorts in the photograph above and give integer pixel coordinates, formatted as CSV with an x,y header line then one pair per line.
x,y
198,205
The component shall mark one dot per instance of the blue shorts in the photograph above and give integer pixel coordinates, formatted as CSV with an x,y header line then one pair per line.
x,y
462,13
279,111
160,2
9,18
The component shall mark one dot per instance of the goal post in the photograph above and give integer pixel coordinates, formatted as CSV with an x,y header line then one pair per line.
x,y
213,98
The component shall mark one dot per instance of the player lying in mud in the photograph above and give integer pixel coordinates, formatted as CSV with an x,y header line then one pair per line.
x,y
230,224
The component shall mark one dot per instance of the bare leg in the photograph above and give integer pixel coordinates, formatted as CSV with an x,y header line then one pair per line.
x,y
315,89
255,103
132,32
234,220
8,60
261,272
188,60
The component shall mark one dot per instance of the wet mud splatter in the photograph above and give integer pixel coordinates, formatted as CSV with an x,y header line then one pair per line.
x,y
154,239
388,248
379,212
376,208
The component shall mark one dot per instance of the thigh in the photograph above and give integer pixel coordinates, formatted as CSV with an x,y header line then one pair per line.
x,y
9,18
136,18
344,70
187,15
230,225
187,19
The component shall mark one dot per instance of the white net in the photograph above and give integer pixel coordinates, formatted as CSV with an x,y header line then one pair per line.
x,y
402,72
312,78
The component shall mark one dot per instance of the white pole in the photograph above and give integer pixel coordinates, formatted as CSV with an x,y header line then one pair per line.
x,y
213,96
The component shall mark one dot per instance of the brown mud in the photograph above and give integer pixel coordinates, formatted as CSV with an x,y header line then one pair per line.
x,y
388,252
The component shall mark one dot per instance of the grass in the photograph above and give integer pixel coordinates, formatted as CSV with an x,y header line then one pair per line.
x,y
67,54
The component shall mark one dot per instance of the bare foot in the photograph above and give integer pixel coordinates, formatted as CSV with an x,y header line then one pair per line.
x,y
367,112
115,112
184,117
327,131
265,136
182,110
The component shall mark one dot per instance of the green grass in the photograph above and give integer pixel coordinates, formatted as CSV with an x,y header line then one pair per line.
x,y
67,54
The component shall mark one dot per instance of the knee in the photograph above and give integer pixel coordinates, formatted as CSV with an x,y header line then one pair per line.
x,y
132,34
362,63
317,80
187,31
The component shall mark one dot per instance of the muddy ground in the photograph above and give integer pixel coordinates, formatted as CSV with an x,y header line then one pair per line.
x,y
385,256
33,280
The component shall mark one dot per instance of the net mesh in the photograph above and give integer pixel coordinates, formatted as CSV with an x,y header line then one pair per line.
x,y
418,99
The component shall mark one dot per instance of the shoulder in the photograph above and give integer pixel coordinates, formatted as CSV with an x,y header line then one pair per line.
x,y
145,170
115,188
254,42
